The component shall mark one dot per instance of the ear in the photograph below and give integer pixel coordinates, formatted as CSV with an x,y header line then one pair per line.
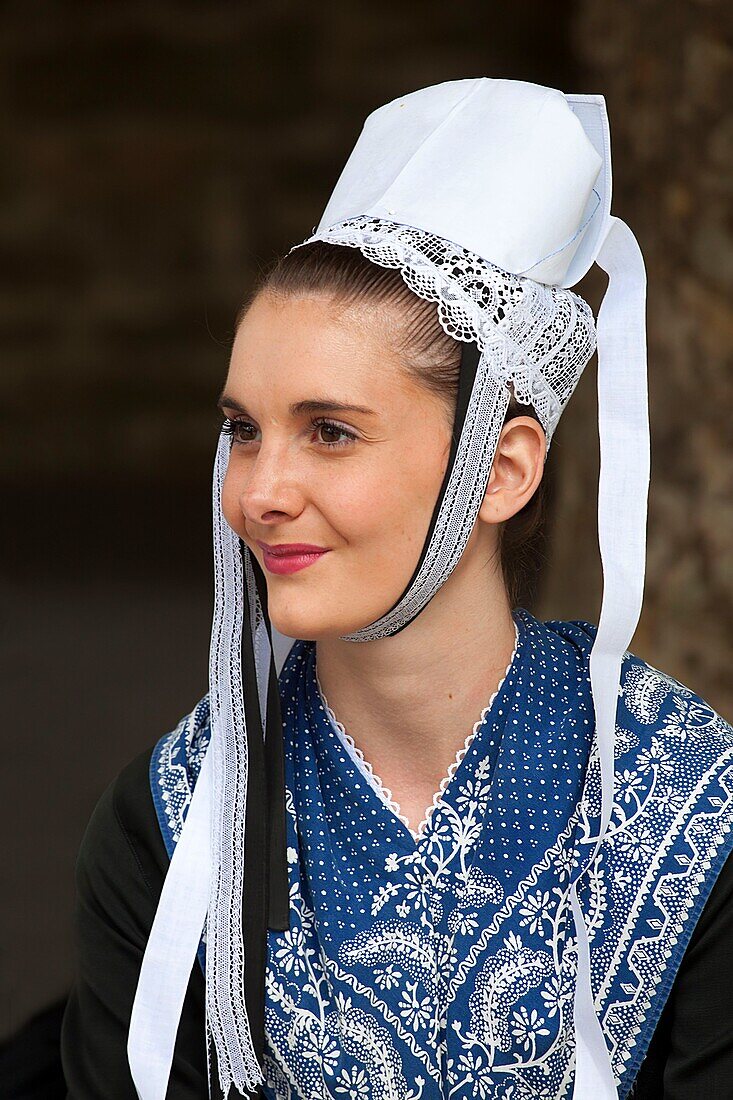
x,y
516,471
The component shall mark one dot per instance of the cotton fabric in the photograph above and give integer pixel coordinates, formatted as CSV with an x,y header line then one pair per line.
x,y
451,957
120,870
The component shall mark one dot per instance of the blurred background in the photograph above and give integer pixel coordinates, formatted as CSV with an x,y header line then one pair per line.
x,y
154,156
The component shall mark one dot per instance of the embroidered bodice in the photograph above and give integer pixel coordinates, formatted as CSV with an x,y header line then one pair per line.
x,y
442,963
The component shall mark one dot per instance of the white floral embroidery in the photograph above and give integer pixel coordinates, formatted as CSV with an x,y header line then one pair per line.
x,y
460,983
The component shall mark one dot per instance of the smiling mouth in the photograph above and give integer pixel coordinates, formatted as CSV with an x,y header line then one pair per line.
x,y
290,558
286,548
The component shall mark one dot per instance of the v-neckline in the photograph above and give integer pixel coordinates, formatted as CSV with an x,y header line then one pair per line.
x,y
380,788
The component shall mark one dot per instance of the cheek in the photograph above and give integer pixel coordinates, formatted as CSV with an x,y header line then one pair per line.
x,y
230,503
388,510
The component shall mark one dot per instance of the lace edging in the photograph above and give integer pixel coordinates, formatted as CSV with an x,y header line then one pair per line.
x,y
384,791
548,333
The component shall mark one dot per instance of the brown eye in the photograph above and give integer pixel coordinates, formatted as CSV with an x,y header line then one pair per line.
x,y
332,429
232,428
329,430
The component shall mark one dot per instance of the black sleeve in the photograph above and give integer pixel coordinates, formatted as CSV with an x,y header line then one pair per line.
x,y
690,1056
120,870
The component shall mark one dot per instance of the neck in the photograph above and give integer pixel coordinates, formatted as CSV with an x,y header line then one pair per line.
x,y
410,701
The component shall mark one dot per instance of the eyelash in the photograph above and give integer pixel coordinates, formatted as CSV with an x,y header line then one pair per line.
x,y
229,427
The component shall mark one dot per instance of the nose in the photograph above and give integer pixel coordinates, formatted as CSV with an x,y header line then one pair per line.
x,y
270,489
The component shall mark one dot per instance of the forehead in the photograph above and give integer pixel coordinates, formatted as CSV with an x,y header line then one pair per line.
x,y
315,341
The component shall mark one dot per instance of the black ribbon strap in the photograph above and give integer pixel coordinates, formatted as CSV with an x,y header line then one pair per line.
x,y
279,900
255,892
470,356
265,898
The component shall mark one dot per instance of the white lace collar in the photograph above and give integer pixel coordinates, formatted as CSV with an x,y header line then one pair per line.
x,y
382,790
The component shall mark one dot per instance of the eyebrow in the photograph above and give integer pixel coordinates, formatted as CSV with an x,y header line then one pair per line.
x,y
317,404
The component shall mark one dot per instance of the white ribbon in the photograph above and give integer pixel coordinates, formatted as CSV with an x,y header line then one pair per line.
x,y
171,948
623,425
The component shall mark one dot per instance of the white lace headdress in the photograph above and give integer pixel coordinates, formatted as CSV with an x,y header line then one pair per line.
x,y
492,198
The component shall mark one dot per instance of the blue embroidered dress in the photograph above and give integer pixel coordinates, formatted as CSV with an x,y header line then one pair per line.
x,y
422,967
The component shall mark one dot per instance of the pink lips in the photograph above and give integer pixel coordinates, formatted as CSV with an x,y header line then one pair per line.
x,y
290,557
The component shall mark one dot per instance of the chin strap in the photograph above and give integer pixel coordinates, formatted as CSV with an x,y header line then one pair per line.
x,y
623,425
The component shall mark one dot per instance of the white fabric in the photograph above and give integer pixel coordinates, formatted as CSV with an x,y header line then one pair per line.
x,y
511,172
623,426
171,948
540,338
226,1013
214,839
590,110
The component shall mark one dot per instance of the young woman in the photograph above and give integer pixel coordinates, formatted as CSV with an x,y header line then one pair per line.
x,y
477,854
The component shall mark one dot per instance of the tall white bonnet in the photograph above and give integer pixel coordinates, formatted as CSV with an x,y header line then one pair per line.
x,y
529,185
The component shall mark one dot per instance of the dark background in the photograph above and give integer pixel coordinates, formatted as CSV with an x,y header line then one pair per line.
x,y
154,155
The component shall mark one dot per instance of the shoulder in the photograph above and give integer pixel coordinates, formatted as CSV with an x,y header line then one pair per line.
x,y
123,815
662,721
123,839
653,698
673,750
651,702
120,872
175,764
673,778
120,865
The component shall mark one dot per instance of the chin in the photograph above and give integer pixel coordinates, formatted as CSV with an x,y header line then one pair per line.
x,y
309,624
297,622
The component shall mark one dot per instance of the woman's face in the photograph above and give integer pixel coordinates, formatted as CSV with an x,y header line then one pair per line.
x,y
360,483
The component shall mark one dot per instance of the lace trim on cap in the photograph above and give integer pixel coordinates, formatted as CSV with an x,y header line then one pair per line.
x,y
547,332
382,790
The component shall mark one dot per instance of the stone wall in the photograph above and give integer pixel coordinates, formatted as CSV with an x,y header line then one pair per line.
x,y
666,70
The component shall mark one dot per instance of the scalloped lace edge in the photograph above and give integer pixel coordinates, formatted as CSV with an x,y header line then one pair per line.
x,y
383,790
461,315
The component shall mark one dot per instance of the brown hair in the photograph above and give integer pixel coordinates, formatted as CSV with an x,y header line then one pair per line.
x,y
431,356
